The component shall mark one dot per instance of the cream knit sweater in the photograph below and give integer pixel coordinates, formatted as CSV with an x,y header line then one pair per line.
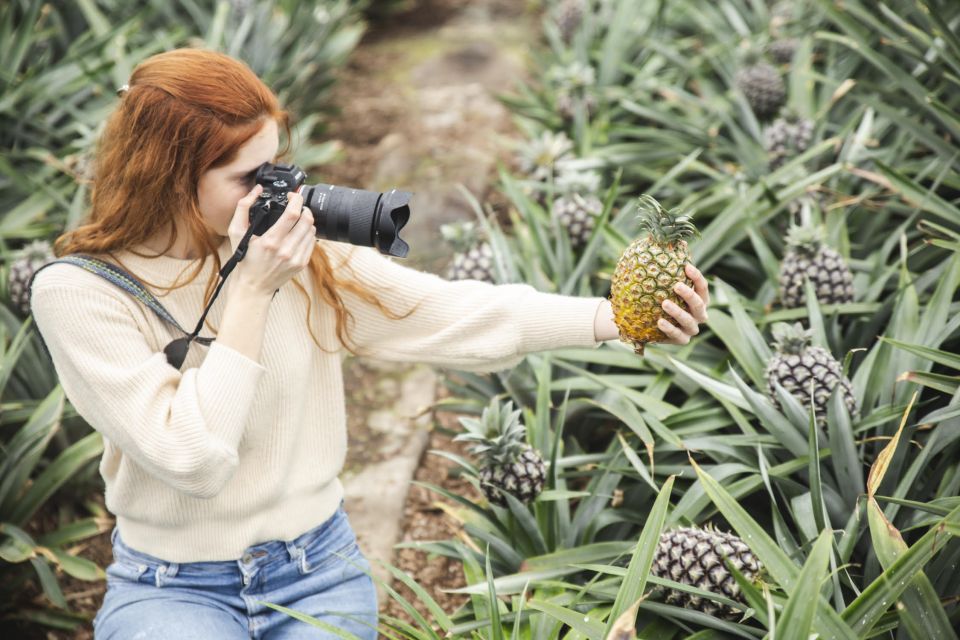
x,y
228,452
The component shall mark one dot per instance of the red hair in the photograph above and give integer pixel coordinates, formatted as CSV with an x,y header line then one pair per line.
x,y
186,111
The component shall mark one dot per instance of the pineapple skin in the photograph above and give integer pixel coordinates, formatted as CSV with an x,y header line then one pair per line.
x,y
795,371
523,478
693,556
828,272
644,277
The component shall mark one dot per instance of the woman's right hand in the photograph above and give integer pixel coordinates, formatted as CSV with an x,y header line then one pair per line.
x,y
281,252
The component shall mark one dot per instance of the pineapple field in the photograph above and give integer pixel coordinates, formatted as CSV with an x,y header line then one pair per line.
x,y
793,471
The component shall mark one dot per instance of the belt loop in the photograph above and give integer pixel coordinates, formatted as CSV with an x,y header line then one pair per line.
x,y
160,573
294,551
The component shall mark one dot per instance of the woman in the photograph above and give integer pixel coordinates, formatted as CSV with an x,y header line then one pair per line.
x,y
222,474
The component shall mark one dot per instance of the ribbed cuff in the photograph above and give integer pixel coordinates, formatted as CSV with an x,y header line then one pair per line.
x,y
229,381
559,322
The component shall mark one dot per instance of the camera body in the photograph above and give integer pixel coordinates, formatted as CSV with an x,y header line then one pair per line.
x,y
341,214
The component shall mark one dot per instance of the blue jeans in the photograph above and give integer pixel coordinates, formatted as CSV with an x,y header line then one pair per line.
x,y
321,573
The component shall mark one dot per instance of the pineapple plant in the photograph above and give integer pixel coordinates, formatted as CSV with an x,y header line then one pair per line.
x,y
647,271
808,256
796,365
763,87
694,556
473,257
787,137
578,215
28,260
509,464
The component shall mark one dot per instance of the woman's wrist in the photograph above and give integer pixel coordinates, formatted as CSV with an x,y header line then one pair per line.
x,y
604,328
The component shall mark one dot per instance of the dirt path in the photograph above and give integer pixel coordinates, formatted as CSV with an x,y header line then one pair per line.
x,y
418,111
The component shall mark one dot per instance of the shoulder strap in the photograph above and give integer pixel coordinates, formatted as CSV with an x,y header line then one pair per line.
x,y
125,281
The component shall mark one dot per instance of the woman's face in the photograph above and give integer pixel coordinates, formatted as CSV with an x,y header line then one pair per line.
x,y
221,188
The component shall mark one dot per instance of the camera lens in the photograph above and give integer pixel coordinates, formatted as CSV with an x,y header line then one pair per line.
x,y
364,218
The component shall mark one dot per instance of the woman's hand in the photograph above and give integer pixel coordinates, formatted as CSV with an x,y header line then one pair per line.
x,y
281,252
697,300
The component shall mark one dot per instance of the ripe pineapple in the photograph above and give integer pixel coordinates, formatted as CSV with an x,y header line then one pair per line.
x,y
578,214
795,364
509,463
473,257
692,556
807,255
786,138
647,272
28,261
763,87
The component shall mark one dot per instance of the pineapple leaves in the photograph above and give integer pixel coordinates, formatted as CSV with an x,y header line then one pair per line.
x,y
631,589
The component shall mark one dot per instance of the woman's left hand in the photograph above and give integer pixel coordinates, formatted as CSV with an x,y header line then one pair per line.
x,y
697,300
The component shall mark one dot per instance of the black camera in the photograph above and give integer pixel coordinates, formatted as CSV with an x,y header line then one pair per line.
x,y
364,218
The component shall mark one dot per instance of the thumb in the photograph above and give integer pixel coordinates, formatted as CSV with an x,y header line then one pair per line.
x,y
241,215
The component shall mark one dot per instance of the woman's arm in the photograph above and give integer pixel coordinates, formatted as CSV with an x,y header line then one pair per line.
x,y
463,324
183,428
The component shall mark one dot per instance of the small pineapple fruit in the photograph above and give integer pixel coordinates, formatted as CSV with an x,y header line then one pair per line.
x,y
568,18
509,463
578,214
763,87
473,257
646,273
781,50
28,260
693,556
796,365
808,256
786,138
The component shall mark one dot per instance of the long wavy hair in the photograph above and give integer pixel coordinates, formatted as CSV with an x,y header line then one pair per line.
x,y
184,112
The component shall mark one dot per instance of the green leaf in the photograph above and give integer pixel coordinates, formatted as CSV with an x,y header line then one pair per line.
x,y
796,621
921,603
631,589
313,622
865,612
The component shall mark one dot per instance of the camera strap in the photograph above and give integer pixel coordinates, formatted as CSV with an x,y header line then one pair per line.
x,y
176,350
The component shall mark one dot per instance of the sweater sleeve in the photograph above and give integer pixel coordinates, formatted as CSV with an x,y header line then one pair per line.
x,y
464,324
183,428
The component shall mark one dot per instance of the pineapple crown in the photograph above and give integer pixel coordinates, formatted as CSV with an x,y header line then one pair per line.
x,y
571,180
461,235
575,75
498,435
806,239
544,151
36,250
791,338
664,227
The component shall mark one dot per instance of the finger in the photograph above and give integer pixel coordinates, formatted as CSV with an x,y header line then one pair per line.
x,y
292,243
699,283
308,244
694,302
673,332
287,220
687,323
241,215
